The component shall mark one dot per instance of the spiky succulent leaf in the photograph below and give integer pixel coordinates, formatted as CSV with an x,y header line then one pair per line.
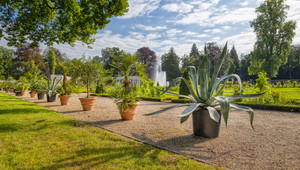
x,y
195,79
224,103
190,109
203,72
179,95
247,109
213,113
218,67
166,109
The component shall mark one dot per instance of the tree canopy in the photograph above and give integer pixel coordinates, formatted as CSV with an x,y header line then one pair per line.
x,y
274,36
170,64
148,58
56,21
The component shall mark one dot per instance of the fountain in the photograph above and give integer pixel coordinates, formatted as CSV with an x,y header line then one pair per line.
x,y
157,75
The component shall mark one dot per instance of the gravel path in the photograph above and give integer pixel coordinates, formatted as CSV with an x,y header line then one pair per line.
x,y
275,143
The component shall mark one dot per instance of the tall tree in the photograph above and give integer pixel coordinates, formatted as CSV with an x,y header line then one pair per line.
x,y
291,69
60,21
107,56
148,58
235,58
274,36
6,62
192,59
214,52
245,64
170,64
50,60
26,53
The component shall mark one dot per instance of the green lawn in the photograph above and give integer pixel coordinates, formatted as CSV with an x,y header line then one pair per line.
x,y
32,137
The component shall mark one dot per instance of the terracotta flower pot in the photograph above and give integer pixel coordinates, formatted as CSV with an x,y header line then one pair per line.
x,y
24,92
65,99
129,113
32,94
87,103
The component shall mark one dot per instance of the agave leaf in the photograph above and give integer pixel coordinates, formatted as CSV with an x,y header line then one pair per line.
x,y
203,72
194,76
166,109
226,77
213,113
221,89
219,80
247,109
224,103
187,84
183,119
179,95
190,109
218,67
57,82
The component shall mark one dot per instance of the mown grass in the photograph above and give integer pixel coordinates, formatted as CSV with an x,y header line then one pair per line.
x,y
32,137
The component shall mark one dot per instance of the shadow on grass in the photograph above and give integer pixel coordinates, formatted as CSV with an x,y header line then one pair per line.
x,y
92,157
23,111
5,127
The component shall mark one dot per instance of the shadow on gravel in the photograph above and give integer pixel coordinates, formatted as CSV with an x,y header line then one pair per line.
x,y
106,122
73,111
181,144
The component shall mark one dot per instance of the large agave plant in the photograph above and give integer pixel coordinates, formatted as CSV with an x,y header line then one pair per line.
x,y
205,91
51,84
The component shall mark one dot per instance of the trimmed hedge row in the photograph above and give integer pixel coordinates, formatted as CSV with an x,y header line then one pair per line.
x,y
100,94
292,108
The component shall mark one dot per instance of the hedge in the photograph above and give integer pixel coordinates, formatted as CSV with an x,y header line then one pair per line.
x,y
292,108
100,94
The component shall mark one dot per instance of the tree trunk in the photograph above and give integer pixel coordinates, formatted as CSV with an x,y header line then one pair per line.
x,y
65,83
88,88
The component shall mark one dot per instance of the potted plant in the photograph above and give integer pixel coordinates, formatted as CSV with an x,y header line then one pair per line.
x,y
126,96
21,86
208,106
33,89
126,99
65,91
87,71
51,89
41,88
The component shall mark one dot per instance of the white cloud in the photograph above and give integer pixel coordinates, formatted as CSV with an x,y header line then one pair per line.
x,y
138,8
243,41
180,8
244,3
235,16
173,32
150,28
201,18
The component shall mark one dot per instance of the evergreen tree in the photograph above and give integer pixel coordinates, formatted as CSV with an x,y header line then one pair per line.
x,y
183,89
235,59
170,64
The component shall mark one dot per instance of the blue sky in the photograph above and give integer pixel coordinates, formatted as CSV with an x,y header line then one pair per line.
x,y
161,24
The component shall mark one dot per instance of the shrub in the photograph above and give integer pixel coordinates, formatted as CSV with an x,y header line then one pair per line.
x,y
294,84
229,84
278,84
183,89
287,83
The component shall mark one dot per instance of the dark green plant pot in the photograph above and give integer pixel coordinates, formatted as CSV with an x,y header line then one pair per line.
x,y
41,96
204,126
51,98
19,93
